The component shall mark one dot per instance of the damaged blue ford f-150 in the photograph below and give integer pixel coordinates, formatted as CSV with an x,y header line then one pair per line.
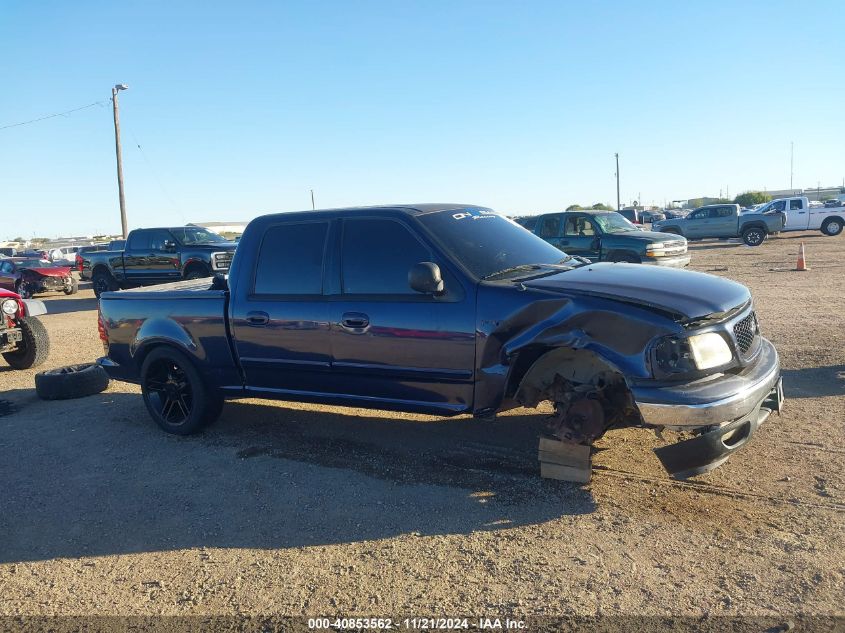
x,y
450,309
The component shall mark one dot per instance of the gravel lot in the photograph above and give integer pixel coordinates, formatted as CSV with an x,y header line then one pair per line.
x,y
299,509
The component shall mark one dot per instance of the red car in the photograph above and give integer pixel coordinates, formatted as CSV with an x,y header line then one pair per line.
x,y
28,276
23,339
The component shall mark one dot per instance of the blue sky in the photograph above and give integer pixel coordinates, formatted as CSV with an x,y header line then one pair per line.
x,y
241,107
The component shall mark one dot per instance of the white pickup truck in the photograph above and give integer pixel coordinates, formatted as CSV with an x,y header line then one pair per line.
x,y
801,217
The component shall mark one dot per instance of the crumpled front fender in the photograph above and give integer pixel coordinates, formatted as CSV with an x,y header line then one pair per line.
x,y
539,322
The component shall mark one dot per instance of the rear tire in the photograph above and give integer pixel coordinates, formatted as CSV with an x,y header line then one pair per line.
x,y
832,226
175,393
35,347
103,282
753,236
73,381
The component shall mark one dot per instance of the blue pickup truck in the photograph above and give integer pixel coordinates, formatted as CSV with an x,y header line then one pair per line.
x,y
449,309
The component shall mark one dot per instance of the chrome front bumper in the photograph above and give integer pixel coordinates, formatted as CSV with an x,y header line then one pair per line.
x,y
712,401
677,261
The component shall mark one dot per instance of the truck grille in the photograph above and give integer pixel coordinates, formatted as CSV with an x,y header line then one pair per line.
x,y
222,261
675,247
745,331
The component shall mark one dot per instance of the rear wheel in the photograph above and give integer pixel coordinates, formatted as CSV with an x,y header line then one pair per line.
x,y
175,394
33,349
753,236
103,282
832,226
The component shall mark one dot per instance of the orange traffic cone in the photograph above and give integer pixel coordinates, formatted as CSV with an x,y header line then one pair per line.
x,y
802,263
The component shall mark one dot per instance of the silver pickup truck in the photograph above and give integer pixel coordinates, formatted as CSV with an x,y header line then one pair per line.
x,y
724,220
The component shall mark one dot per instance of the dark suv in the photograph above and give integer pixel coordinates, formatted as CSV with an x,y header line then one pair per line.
x,y
606,236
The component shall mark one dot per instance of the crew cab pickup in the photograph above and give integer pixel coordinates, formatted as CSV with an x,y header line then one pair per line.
x,y
607,236
800,216
154,256
724,220
449,309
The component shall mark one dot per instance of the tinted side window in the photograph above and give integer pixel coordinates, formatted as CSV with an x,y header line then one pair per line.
x,y
377,255
724,212
290,260
795,204
6,267
551,226
140,240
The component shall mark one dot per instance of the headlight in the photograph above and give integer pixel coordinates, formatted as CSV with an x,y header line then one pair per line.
x,y
656,249
709,350
10,307
679,355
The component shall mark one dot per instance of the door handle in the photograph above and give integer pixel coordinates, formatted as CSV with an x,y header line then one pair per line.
x,y
257,318
354,320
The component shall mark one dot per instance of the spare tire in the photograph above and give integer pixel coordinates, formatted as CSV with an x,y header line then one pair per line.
x,y
73,381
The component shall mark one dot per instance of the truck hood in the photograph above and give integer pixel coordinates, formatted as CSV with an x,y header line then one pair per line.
x,y
53,271
686,293
647,236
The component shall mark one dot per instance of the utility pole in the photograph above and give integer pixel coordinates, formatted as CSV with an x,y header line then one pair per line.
x,y
312,200
618,200
791,162
114,91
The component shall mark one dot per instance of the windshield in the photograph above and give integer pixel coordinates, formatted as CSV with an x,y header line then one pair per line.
x,y
614,223
35,263
196,235
486,242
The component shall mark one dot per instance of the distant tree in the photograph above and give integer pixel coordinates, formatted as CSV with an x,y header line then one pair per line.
x,y
694,203
600,206
18,239
750,198
574,207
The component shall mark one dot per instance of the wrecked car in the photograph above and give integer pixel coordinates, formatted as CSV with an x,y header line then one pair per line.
x,y
24,342
449,309
30,276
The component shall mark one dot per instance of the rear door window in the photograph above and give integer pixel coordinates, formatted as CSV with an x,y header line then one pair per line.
x,y
796,204
140,241
290,260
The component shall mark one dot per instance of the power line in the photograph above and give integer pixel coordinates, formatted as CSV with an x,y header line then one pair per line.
x,y
154,172
52,116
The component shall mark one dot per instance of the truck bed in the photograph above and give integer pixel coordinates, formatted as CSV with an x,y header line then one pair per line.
x,y
190,289
189,315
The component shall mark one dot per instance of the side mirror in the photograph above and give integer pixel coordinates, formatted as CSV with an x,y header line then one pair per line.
x,y
425,277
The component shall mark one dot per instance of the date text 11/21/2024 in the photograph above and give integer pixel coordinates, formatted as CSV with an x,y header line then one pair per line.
x,y
415,623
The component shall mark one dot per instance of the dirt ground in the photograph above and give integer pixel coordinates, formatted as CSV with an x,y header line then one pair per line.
x,y
299,509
